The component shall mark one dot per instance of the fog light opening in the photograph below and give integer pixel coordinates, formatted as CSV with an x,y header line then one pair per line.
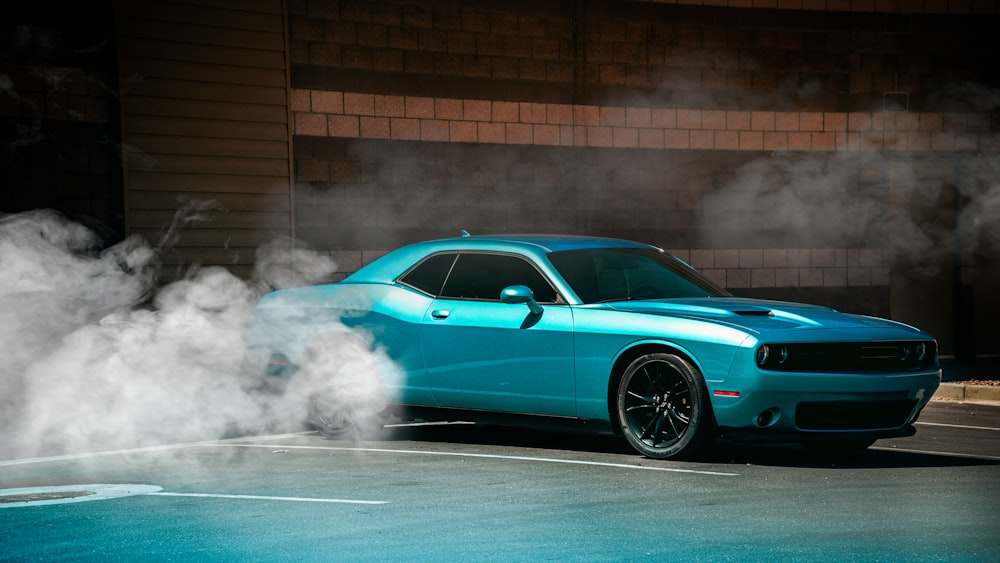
x,y
767,417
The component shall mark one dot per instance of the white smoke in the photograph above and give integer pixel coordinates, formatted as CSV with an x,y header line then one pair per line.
x,y
97,356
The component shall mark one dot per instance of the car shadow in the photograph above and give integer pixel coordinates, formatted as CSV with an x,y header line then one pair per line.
x,y
722,452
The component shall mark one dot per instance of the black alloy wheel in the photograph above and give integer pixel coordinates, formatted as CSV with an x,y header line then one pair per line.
x,y
663,407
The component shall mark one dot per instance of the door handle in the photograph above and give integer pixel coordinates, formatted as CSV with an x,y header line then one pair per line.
x,y
440,313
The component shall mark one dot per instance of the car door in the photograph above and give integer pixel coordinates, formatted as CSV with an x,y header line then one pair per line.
x,y
484,354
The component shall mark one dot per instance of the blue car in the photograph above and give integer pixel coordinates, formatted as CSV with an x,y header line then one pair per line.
x,y
597,333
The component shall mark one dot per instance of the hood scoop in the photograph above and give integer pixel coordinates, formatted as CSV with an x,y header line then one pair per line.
x,y
753,312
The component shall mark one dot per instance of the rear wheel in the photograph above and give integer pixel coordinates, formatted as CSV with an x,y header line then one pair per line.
x,y
340,379
663,407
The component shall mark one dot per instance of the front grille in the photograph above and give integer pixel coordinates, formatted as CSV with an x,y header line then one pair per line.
x,y
850,357
854,415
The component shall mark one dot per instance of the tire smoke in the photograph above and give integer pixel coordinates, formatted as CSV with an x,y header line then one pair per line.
x,y
98,356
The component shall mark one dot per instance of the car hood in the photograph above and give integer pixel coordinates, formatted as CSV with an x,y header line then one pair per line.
x,y
765,317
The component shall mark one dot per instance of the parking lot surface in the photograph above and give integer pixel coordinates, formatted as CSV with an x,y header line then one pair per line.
x,y
470,492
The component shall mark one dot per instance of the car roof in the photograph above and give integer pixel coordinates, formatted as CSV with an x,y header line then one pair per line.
x,y
390,266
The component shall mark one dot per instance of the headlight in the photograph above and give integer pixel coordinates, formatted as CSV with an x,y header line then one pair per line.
x,y
763,353
772,354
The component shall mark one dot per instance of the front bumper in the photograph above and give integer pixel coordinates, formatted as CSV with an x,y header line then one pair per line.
x,y
815,406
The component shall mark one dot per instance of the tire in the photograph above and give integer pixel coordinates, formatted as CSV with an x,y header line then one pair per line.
x,y
339,421
340,380
663,408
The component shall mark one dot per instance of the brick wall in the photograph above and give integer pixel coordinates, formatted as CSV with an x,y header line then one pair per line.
x,y
689,125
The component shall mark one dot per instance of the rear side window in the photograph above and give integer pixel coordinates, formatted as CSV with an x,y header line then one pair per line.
x,y
429,275
483,276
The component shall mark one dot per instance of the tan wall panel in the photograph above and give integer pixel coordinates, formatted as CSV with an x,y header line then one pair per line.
x,y
210,128
182,145
191,13
175,107
142,47
165,181
193,90
267,203
147,219
205,119
203,34
213,165
202,72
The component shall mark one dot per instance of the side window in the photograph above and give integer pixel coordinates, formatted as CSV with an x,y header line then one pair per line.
x,y
428,276
483,276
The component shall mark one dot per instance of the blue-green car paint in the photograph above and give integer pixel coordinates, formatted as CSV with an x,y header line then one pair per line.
x,y
563,360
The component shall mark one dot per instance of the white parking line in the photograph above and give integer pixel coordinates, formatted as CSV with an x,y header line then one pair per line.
x,y
482,456
932,452
256,497
956,426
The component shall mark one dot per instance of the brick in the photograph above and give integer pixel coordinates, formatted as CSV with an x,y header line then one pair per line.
x,y
433,130
834,277
651,138
637,117
713,119
738,278
738,120
774,258
798,257
491,133
586,115
931,122
702,140
625,137
611,116
312,170
786,277
822,257
419,107
359,104
834,122
519,133
463,131
600,137
786,121
880,276
343,126
505,112
762,121
390,106
859,277
751,140
702,258
677,139
448,108
762,277
810,121
559,114
546,134
823,141
404,129
775,141
313,124
663,118
810,277
859,121
476,110
751,258
567,135
727,140
727,258
944,141
689,119
532,112
299,100
374,127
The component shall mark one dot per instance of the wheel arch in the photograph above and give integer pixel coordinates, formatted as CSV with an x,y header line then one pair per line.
x,y
629,355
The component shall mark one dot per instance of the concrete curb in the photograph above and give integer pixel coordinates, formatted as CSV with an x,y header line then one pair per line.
x,y
968,393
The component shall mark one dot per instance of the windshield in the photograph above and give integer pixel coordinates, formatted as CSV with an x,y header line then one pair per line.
x,y
622,274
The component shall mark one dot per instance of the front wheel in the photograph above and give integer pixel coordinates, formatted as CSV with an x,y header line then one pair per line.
x,y
663,407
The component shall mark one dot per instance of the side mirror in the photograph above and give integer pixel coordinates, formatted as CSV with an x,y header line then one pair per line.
x,y
521,294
